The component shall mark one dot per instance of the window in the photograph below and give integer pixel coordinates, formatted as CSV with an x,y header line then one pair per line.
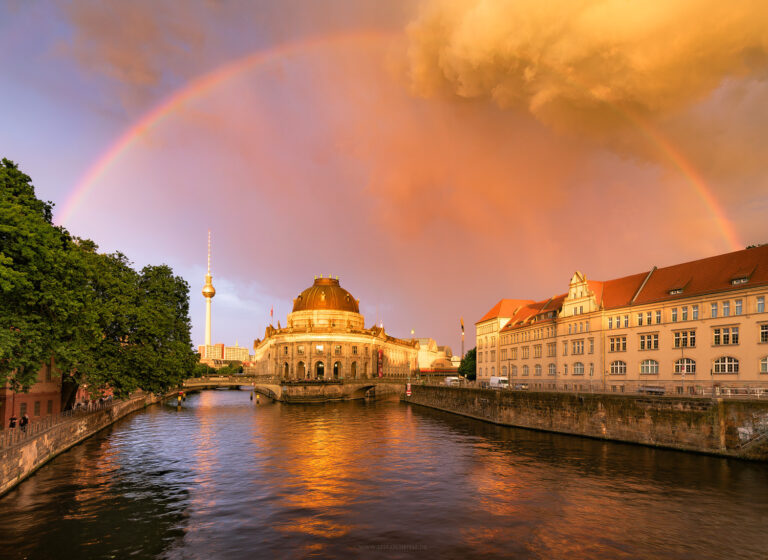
x,y
551,349
740,280
618,344
285,350
319,348
525,352
658,317
683,339
726,364
618,368
525,371
648,317
713,312
610,322
726,335
537,370
513,369
763,366
354,350
639,319
695,312
552,369
591,369
686,366
626,321
675,291
565,348
649,367
674,315
537,351
569,328
504,371
493,355
300,350
737,310
761,304
565,369
22,409
591,345
578,368
578,346
649,342
37,408
726,309
514,353
503,353
684,314
764,333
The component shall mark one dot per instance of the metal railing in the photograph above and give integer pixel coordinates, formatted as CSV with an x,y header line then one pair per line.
x,y
10,437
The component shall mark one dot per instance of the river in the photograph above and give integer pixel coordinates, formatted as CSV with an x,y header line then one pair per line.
x,y
224,477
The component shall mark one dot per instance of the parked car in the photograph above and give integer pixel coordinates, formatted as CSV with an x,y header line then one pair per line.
x,y
452,381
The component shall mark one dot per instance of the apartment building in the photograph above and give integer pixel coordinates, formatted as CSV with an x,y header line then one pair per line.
x,y
689,328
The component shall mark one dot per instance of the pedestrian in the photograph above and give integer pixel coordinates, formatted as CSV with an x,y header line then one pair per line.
x,y
12,423
23,423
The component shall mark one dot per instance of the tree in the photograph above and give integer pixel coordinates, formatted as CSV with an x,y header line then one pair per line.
x,y
106,324
468,368
37,296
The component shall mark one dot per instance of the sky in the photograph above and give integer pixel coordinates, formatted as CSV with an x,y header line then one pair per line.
x,y
435,155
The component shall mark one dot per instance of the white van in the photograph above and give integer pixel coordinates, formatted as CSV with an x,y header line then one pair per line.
x,y
499,383
452,381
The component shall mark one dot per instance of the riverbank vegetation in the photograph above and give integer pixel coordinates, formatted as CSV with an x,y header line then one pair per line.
x,y
104,323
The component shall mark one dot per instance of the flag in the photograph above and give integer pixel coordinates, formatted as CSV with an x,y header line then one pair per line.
x,y
462,324
271,313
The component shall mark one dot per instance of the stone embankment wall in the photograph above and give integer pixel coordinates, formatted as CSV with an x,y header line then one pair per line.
x,y
736,428
19,461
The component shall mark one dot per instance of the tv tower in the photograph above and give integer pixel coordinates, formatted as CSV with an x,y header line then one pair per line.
x,y
208,292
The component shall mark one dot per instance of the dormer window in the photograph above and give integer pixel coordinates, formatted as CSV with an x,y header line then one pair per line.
x,y
739,280
675,291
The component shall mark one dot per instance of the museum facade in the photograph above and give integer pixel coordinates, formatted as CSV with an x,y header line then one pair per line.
x,y
326,339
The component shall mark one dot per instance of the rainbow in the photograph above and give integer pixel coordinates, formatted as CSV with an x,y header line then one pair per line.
x,y
208,82
693,177
192,90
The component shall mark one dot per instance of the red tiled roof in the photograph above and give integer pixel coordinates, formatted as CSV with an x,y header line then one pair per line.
x,y
505,308
713,274
528,312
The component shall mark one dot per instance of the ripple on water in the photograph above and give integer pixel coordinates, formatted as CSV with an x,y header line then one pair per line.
x,y
226,477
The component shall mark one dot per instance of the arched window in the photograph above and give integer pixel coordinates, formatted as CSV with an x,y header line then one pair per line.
x,y
480,372
300,373
618,368
578,368
686,366
764,365
504,371
286,369
525,370
353,370
726,364
319,370
493,371
514,371
537,370
336,370
552,369
649,367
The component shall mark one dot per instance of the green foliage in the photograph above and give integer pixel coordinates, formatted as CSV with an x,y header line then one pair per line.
x,y
202,370
468,368
106,324
231,368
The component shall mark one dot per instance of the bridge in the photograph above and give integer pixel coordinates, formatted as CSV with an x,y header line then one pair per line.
x,y
301,391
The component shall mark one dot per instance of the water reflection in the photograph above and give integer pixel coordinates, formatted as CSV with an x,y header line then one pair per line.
x,y
228,477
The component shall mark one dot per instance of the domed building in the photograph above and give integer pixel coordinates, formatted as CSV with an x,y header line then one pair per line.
x,y
326,338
